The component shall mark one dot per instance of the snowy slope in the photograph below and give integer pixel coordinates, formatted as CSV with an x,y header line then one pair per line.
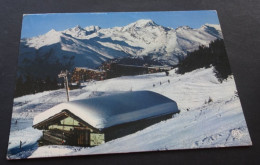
x,y
91,46
200,123
26,107
219,123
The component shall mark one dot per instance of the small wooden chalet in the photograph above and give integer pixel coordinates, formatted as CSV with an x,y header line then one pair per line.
x,y
93,121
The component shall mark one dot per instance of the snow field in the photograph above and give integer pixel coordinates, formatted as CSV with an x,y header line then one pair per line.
x,y
219,124
200,123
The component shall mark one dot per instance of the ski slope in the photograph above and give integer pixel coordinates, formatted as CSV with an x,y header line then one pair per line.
x,y
201,123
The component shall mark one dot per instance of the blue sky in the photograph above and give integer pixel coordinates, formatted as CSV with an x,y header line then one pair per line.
x,y
37,24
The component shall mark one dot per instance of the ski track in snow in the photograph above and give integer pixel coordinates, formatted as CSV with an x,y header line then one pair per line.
x,y
200,124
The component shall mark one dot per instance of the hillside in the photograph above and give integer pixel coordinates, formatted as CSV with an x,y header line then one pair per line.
x,y
211,115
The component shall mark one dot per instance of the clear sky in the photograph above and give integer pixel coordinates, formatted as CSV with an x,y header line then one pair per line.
x,y
37,24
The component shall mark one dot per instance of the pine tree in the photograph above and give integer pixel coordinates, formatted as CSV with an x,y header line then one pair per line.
x,y
214,55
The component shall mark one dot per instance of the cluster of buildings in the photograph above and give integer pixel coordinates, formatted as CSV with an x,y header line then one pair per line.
x,y
82,74
112,70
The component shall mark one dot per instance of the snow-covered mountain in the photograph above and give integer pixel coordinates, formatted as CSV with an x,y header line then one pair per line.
x,y
91,46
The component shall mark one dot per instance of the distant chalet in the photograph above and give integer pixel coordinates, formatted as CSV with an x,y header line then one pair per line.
x,y
112,70
93,121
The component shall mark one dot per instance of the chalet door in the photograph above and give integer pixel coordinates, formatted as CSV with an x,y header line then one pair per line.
x,y
83,137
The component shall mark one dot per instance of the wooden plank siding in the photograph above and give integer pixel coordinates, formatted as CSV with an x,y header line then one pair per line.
x,y
66,128
80,135
60,116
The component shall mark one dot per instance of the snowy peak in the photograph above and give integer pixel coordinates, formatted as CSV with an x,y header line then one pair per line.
x,y
51,32
183,28
140,24
212,29
92,28
215,26
144,23
49,38
75,31
77,28
81,33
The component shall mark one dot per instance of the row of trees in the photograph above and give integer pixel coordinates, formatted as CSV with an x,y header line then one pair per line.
x,y
214,55
39,72
31,85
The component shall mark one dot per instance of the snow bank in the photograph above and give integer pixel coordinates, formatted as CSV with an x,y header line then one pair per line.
x,y
56,151
217,124
105,111
22,143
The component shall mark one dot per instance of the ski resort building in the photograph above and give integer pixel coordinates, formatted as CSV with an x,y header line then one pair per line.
x,y
93,121
84,74
117,70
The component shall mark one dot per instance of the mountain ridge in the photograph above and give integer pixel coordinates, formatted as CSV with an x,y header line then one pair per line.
x,y
91,46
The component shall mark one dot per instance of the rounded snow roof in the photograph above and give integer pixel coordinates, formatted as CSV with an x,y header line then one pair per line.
x,y
105,111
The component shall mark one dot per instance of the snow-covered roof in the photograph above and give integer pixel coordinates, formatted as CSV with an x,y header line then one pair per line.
x,y
105,111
